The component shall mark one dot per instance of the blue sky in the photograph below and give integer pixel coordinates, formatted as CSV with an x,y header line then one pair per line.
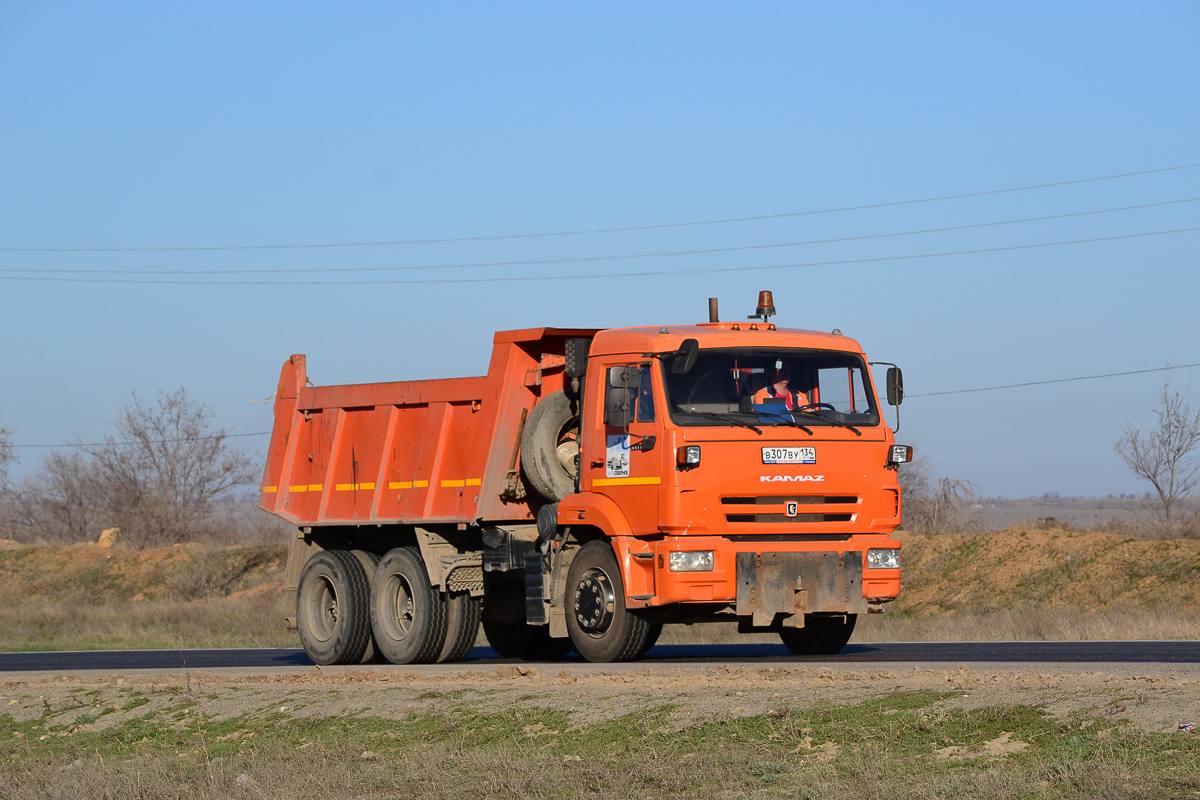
x,y
131,125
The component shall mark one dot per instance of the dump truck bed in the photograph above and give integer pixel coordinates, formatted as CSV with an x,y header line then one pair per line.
x,y
435,451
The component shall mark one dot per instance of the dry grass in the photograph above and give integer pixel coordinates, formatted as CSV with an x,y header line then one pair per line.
x,y
1031,624
90,598
238,622
1034,582
1007,625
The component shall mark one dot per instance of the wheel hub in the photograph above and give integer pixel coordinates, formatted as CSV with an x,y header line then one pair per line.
x,y
402,605
595,602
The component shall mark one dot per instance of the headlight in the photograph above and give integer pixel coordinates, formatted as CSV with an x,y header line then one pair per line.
x,y
900,454
883,559
688,455
694,561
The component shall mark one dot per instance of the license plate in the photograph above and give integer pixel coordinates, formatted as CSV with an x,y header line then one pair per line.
x,y
789,455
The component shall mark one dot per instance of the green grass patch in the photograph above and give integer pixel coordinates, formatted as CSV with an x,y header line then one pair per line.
x,y
912,744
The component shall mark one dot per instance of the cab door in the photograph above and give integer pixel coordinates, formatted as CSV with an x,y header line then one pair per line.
x,y
622,444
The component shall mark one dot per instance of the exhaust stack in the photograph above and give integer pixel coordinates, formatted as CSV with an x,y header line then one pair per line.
x,y
712,310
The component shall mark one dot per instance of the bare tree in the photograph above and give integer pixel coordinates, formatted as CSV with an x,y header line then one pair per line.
x,y
7,457
62,503
941,505
1166,454
164,466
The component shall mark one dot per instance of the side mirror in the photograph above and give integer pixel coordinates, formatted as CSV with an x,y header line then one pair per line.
x,y
624,377
685,357
895,386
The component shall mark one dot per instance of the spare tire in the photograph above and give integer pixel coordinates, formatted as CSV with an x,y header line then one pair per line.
x,y
549,446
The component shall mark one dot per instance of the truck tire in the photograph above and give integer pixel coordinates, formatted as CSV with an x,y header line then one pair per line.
x,y
505,627
526,642
549,445
333,608
462,626
652,635
369,562
601,628
408,614
820,636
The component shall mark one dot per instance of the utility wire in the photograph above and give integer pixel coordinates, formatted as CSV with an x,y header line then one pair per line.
x,y
621,257
150,441
591,231
907,396
601,275
1053,380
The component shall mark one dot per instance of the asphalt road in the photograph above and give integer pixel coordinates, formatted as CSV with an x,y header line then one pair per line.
x,y
1170,652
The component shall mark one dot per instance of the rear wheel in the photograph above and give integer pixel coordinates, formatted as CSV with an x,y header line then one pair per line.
x,y
462,626
333,608
369,561
505,628
408,615
821,635
601,627
526,642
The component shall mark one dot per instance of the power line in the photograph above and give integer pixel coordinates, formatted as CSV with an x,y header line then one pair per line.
x,y
907,396
1053,380
620,257
593,231
149,441
605,276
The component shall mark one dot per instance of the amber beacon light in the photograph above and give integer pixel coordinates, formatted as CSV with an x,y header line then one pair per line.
x,y
766,307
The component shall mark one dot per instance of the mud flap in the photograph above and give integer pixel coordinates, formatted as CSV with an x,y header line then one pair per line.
x,y
795,584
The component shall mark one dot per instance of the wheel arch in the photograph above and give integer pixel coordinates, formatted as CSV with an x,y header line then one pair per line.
x,y
592,510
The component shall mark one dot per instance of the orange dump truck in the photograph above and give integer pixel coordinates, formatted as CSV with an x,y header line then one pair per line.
x,y
592,487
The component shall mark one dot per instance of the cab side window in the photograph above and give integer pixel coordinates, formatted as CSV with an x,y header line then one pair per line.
x,y
645,401
628,395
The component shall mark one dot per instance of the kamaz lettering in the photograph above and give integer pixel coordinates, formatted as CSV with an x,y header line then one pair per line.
x,y
790,478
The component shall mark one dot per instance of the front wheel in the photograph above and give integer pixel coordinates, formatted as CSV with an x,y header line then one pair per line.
x,y
820,636
601,627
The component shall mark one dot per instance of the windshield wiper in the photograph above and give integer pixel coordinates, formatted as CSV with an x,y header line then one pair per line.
x,y
794,424
725,418
816,413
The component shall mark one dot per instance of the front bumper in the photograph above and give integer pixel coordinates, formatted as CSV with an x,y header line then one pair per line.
x,y
761,577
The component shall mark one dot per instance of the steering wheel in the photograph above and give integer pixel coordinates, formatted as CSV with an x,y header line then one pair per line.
x,y
809,406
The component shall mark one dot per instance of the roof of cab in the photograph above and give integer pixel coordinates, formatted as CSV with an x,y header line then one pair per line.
x,y
615,341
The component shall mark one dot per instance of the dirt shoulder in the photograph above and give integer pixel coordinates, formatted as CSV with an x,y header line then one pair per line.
x,y
1150,697
596,730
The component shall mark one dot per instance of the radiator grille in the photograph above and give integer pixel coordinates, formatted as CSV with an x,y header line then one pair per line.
x,y
778,500
784,518
776,514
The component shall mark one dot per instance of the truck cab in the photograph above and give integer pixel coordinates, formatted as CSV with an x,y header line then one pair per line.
x,y
751,484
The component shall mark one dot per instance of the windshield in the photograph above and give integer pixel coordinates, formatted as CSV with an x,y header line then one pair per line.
x,y
771,386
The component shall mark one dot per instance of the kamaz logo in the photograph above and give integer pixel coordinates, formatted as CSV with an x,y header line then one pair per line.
x,y
790,478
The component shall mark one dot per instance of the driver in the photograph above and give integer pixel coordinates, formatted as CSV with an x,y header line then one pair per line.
x,y
779,386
